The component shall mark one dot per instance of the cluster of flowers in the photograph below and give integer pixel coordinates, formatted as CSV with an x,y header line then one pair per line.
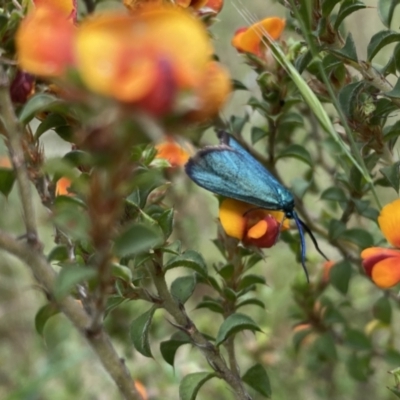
x,y
158,59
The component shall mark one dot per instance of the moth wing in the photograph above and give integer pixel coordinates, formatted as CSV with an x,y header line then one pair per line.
x,y
236,174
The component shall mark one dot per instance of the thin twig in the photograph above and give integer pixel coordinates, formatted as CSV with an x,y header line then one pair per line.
x,y
100,342
15,138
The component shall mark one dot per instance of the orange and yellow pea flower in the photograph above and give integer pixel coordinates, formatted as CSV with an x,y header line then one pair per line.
x,y
143,59
251,225
63,187
381,264
173,152
250,40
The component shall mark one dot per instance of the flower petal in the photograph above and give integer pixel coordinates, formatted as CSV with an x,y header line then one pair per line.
x,y
373,255
45,42
389,222
258,230
231,215
386,273
249,40
173,152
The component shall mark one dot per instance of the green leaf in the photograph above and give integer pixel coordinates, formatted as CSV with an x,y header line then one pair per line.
x,y
302,61
212,305
251,279
77,158
191,384
138,238
360,237
237,85
392,175
325,347
43,315
297,151
169,348
226,271
339,276
183,287
348,96
122,272
328,6
382,310
391,131
386,10
257,134
140,332
380,40
250,302
50,122
257,378
395,391
348,51
7,178
358,366
166,220
189,259
234,324
36,104
357,340
58,253
347,7
70,218
336,228
395,92
70,276
334,194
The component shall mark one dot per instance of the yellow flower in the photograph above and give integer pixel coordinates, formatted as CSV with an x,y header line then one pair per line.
x,y
251,225
382,265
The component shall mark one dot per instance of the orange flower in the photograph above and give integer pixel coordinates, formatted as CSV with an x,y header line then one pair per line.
x,y
173,152
215,5
45,42
249,40
145,60
382,265
253,226
62,187
326,269
141,389
68,7
212,93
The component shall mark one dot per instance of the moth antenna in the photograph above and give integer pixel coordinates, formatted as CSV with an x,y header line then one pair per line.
x,y
299,224
309,231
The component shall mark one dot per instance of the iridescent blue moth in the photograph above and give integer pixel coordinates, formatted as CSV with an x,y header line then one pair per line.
x,y
229,170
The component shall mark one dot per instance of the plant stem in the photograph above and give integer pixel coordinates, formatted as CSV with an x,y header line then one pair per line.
x,y
15,138
210,351
100,341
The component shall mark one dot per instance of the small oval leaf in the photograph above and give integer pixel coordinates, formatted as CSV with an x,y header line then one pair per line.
x,y
189,259
70,276
380,40
140,332
138,238
191,384
183,287
257,378
233,324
